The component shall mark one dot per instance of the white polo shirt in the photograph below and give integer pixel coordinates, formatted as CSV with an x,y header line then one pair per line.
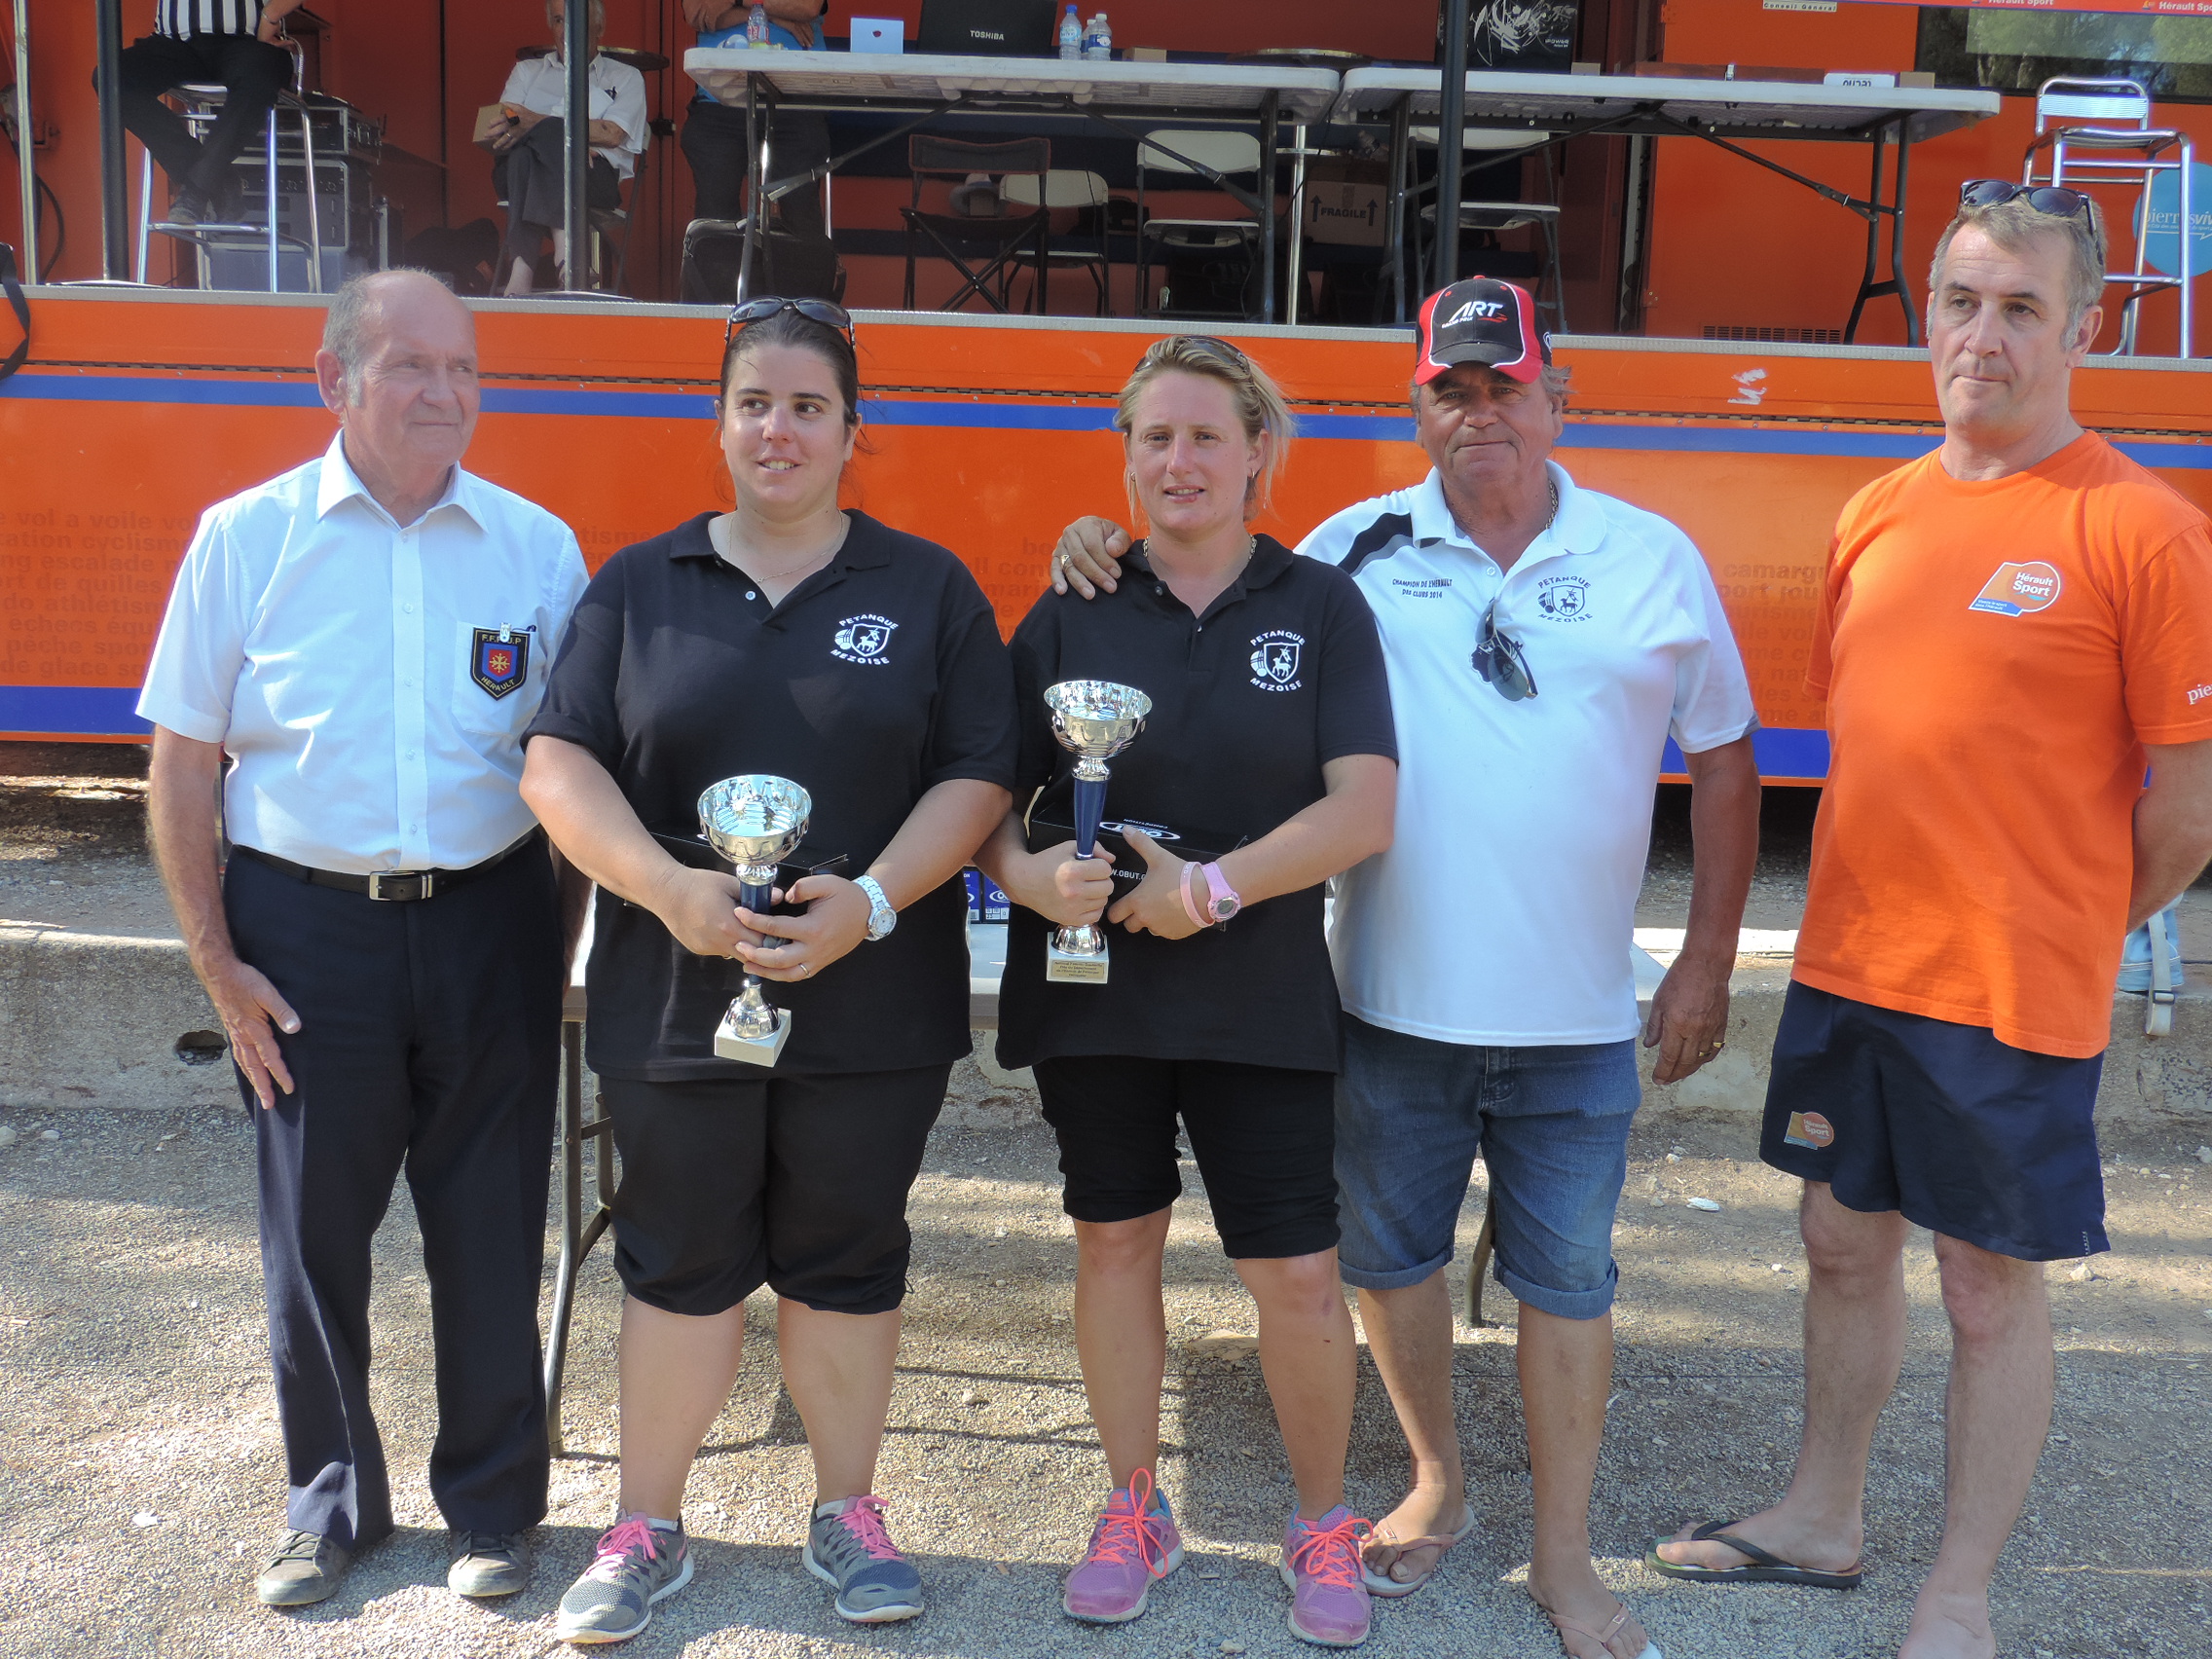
x,y
1503,911
617,95
357,668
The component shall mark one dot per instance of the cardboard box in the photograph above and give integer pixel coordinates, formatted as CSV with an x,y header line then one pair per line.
x,y
1348,203
491,125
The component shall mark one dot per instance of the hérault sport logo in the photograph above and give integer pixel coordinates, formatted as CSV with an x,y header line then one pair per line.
x,y
2017,588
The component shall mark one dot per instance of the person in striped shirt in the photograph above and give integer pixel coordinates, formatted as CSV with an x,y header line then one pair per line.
x,y
229,42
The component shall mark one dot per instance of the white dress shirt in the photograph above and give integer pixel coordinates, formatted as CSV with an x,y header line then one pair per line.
x,y
1502,912
337,656
617,95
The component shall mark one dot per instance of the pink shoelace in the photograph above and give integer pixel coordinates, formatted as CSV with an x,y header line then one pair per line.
x,y
615,1545
1119,1537
865,1521
1331,1555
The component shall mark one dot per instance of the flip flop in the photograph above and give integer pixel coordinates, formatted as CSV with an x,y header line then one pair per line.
x,y
1567,1627
1762,1568
1383,1584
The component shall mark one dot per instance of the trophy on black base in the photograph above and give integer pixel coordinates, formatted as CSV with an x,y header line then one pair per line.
x,y
1096,720
754,822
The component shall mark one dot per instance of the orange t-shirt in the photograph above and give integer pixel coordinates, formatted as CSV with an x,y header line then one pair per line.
x,y
1994,656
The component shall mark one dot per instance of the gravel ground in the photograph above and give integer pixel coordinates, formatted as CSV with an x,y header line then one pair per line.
x,y
140,1473
140,1478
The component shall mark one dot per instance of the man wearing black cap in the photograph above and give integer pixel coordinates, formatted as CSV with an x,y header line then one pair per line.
x,y
1543,642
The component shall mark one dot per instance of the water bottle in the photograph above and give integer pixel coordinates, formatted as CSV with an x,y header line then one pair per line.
x,y
756,25
1099,43
1071,34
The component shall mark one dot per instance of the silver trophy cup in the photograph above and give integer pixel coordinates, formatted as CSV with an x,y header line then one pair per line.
x,y
754,822
1096,720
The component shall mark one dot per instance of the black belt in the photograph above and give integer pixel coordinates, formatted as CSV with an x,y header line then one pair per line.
x,y
386,885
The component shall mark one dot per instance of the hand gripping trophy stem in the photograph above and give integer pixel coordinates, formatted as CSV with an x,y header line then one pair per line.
x,y
755,822
1095,720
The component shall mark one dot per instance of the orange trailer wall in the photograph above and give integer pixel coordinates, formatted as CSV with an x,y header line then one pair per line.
x,y
987,438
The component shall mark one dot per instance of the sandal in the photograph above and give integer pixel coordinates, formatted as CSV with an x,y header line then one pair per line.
x,y
1761,1569
1603,1639
1383,1584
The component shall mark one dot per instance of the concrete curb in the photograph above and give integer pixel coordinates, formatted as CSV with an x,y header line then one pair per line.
x,y
91,1019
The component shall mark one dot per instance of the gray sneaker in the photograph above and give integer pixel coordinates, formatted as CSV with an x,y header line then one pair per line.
x,y
488,1564
847,1546
638,1565
305,1569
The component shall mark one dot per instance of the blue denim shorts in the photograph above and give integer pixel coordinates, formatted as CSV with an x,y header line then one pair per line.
x,y
1551,1123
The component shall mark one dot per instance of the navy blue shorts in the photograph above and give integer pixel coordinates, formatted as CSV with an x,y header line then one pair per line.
x,y
1956,1132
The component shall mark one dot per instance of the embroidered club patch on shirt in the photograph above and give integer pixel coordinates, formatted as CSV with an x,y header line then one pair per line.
x,y
2017,588
498,659
1274,660
1811,1130
864,638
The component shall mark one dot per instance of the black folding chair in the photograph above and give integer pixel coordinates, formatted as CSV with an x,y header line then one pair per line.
x,y
986,249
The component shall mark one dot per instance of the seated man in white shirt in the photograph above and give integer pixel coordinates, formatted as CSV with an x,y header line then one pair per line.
x,y
352,652
1543,642
530,173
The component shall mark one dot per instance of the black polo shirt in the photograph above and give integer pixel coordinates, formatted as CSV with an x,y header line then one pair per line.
x,y
1283,673
876,679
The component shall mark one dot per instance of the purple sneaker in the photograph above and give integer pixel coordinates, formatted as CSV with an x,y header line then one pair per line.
x,y
1133,1545
1329,1604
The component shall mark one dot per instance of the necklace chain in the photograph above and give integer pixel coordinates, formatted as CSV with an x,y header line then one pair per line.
x,y
723,532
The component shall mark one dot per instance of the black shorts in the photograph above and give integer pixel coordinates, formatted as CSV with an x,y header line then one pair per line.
x,y
798,1183
1942,1123
1265,1140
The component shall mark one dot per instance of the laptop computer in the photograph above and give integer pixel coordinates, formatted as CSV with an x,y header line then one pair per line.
x,y
988,28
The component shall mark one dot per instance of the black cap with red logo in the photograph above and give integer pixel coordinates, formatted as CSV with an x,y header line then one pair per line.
x,y
1481,321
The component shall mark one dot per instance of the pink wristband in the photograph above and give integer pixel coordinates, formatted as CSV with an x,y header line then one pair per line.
x,y
1190,908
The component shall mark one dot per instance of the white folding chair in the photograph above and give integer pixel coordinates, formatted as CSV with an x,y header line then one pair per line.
x,y
1064,188
1494,216
2091,131
1200,153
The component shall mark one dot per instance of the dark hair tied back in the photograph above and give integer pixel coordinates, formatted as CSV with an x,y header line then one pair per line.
x,y
789,328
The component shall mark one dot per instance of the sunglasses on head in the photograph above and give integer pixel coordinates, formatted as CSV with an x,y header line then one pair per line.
x,y
1500,661
750,311
1213,345
2055,200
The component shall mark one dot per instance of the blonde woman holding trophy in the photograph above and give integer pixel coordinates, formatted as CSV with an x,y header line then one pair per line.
x,y
1240,693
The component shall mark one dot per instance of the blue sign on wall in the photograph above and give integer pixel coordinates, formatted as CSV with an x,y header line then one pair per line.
x,y
2163,247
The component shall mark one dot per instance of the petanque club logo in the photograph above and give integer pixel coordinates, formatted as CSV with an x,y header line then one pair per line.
x,y
864,638
1563,598
1275,660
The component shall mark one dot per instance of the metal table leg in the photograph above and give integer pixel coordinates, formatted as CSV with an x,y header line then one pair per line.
x,y
1401,146
578,1231
1295,252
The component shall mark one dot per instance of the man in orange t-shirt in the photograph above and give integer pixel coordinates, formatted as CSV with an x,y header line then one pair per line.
x,y
2014,629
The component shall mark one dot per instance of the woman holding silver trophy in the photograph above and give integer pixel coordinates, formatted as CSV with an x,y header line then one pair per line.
x,y
1240,693
830,701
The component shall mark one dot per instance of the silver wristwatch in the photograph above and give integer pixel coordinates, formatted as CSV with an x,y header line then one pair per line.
x,y
881,917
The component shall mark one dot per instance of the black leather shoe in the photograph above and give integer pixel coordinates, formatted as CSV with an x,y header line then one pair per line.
x,y
488,1564
308,1568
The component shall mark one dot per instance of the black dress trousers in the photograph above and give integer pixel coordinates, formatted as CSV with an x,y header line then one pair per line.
x,y
428,1041
251,72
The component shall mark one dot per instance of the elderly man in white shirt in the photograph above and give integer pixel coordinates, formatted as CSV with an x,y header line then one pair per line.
x,y
1543,642
351,654
530,173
